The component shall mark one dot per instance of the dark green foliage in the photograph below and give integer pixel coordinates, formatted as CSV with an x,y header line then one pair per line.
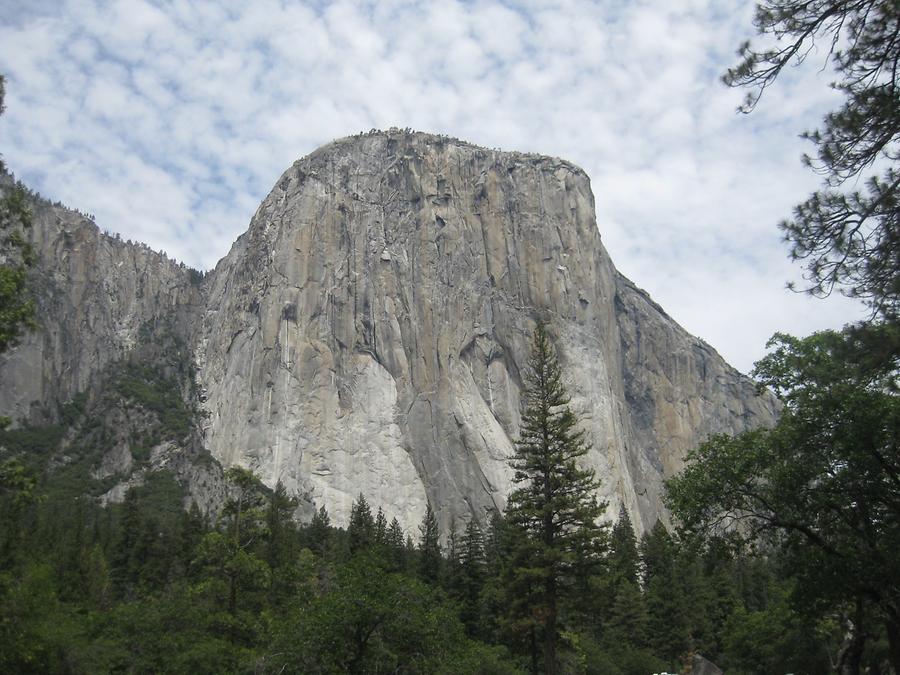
x,y
17,485
355,627
280,530
625,623
623,554
145,586
774,639
668,621
554,510
195,276
148,388
281,545
36,630
847,238
397,556
17,308
822,487
18,490
31,445
592,658
473,574
361,530
319,530
229,556
380,529
429,548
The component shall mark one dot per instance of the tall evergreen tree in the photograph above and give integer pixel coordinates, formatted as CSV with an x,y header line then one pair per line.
x,y
429,548
280,528
242,510
380,528
281,543
452,572
555,507
625,624
319,531
125,557
396,548
668,627
361,530
472,576
623,555
622,613
192,525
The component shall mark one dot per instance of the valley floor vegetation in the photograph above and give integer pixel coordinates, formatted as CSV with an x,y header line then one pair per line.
x,y
785,555
147,586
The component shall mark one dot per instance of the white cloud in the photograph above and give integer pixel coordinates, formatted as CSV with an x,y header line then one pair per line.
x,y
170,121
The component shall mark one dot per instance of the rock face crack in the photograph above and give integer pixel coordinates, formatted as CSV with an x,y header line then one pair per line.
x,y
382,304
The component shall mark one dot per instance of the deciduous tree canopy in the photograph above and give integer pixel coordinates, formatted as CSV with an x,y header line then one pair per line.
x,y
823,486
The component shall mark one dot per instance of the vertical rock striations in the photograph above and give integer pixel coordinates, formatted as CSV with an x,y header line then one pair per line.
x,y
368,332
95,294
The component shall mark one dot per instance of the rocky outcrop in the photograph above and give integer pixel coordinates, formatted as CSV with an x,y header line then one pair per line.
x,y
702,666
368,333
95,293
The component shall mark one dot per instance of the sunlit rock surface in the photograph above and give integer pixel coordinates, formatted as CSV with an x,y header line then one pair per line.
x,y
368,333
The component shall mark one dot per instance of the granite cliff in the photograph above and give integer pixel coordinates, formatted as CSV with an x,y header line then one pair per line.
x,y
367,333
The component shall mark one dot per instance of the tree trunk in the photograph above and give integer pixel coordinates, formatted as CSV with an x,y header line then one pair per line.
x,y
851,653
550,628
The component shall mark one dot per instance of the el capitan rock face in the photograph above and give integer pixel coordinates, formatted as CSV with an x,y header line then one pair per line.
x,y
367,334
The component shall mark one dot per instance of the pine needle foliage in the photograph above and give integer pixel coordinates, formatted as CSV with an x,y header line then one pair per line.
x,y
847,238
555,507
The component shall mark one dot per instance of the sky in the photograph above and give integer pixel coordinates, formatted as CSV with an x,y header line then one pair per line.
x,y
170,120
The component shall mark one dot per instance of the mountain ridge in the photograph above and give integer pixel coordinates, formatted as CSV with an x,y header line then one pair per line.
x,y
388,279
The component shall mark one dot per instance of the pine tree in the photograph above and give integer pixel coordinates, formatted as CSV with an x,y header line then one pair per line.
x,y
242,509
493,595
626,621
623,556
429,548
847,233
497,542
319,531
125,557
452,577
361,529
396,548
472,573
191,529
555,508
280,528
621,613
380,528
668,625
281,543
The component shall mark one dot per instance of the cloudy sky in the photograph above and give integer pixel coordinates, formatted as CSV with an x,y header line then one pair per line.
x,y
171,119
